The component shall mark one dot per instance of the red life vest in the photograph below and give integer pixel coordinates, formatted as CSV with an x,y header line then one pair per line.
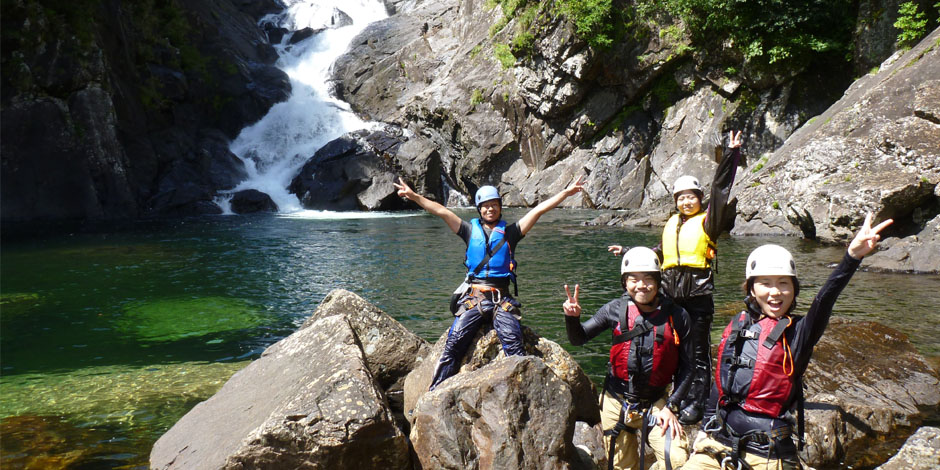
x,y
647,349
755,366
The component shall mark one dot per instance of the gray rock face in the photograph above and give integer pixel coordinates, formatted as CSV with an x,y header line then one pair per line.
x,y
866,389
915,253
391,351
920,452
486,348
630,119
512,413
308,402
877,149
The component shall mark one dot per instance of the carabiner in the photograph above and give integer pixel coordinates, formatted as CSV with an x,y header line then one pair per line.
x,y
728,460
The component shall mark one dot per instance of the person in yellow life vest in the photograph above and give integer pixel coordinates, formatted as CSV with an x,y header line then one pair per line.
x,y
689,252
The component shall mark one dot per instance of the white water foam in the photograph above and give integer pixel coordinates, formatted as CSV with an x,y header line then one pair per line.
x,y
331,215
276,147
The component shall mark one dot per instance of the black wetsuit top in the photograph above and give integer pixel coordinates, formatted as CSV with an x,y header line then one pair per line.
x,y
802,337
608,317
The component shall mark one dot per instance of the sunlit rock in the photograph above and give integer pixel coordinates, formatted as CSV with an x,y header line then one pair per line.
x,y
920,452
512,413
486,348
308,402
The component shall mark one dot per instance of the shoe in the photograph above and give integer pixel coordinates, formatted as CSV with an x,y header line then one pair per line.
x,y
691,414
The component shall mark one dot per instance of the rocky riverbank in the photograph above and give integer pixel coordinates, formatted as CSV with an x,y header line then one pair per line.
x,y
347,390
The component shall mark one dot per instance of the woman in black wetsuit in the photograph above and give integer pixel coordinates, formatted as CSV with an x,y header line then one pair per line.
x,y
762,356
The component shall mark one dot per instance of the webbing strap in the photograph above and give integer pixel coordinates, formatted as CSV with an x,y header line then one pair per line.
x,y
489,254
776,333
638,329
666,451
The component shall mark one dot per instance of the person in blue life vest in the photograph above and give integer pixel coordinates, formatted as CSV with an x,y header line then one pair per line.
x,y
651,349
762,356
688,251
491,243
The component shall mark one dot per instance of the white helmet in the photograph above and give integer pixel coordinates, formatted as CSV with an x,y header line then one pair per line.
x,y
639,259
687,182
770,260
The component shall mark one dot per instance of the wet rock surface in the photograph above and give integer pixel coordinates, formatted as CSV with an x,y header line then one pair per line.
x,y
252,200
353,172
867,390
921,451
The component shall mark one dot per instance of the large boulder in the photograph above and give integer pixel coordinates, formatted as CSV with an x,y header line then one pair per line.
x,y
486,348
353,172
867,388
391,351
513,413
310,401
920,452
875,150
251,200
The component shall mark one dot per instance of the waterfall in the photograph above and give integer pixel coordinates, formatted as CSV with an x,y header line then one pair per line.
x,y
275,147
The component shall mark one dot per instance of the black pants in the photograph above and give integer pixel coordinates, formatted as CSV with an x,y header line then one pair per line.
x,y
702,310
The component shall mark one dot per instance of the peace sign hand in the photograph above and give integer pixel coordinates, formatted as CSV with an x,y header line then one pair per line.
x,y
734,140
571,306
867,238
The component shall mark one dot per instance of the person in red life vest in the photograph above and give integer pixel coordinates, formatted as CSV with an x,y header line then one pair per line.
x,y
490,269
688,251
650,351
763,354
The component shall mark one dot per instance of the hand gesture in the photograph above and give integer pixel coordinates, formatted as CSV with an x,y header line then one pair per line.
x,y
867,238
575,187
571,306
616,250
403,189
734,140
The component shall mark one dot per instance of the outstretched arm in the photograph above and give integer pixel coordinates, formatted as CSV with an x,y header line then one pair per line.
x,y
452,220
721,188
531,217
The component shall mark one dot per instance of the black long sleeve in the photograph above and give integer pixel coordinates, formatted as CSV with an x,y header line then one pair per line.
x,y
721,193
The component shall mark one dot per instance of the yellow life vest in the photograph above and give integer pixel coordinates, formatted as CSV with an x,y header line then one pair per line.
x,y
687,244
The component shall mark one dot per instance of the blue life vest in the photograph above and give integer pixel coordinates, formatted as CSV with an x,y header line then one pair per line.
x,y
499,264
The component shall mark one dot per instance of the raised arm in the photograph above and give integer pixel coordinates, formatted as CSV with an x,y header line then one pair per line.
x,y
531,217
452,220
721,188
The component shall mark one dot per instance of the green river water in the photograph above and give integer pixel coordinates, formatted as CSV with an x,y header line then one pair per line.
x,y
108,336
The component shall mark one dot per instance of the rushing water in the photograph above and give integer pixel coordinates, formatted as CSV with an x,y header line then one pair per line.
x,y
276,147
108,338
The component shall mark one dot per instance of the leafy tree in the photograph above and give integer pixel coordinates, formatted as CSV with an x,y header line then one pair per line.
x,y
911,23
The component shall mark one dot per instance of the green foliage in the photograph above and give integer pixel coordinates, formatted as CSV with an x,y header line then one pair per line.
x,y
498,26
767,32
775,205
476,50
476,97
597,21
911,23
504,56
